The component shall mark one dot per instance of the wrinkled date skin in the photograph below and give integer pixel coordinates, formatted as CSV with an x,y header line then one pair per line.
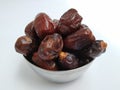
x,y
50,47
49,65
69,22
84,60
79,39
96,49
68,61
30,31
43,25
25,45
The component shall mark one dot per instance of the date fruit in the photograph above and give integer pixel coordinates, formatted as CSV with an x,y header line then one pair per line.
x,y
84,60
30,31
68,61
96,49
25,45
62,44
80,39
83,26
50,46
49,65
43,25
69,22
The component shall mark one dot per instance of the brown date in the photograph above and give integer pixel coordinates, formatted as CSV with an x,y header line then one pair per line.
x,y
80,39
84,60
43,25
96,49
69,22
83,26
68,61
30,31
49,65
25,45
63,44
50,46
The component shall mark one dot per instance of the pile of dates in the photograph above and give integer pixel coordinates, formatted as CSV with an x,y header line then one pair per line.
x,y
63,44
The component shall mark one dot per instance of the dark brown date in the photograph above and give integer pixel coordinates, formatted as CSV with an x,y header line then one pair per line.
x,y
80,39
69,22
50,47
25,45
68,61
96,49
84,60
49,65
43,25
30,31
83,26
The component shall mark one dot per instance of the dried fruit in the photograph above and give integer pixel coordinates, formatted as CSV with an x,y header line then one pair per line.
x,y
30,31
79,39
50,47
96,49
43,25
69,22
83,26
62,44
84,60
68,61
49,65
25,45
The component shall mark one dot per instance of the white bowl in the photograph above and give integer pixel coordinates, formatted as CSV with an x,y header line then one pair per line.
x,y
60,76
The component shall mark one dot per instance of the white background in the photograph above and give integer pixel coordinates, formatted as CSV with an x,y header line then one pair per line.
x,y
102,16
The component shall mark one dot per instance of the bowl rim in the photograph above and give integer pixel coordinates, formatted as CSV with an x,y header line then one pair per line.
x,y
56,70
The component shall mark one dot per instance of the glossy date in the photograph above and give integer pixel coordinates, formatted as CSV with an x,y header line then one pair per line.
x,y
49,65
50,46
96,49
30,31
25,45
80,39
68,61
69,22
43,25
